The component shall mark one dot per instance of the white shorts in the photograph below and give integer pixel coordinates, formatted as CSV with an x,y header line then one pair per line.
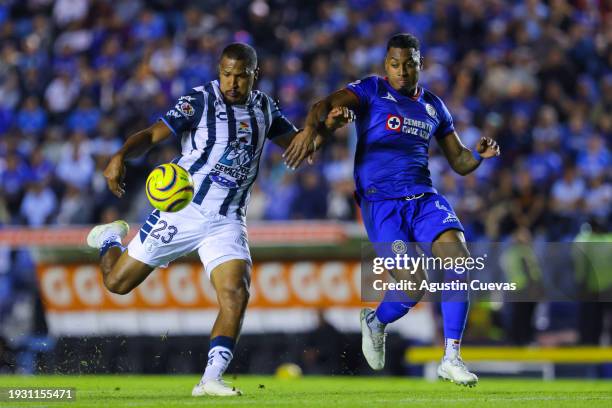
x,y
165,237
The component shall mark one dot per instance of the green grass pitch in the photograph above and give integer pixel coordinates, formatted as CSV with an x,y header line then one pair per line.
x,y
174,391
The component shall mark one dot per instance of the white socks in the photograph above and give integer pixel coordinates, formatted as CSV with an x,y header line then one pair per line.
x,y
451,348
219,358
110,236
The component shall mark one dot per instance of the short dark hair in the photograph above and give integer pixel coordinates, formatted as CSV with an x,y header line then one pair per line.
x,y
403,40
241,51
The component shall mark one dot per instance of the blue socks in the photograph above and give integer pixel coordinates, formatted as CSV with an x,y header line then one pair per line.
x,y
109,243
455,305
219,356
223,341
394,306
454,315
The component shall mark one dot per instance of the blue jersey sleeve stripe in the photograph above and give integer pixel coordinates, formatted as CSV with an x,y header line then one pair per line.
x,y
169,125
288,132
281,127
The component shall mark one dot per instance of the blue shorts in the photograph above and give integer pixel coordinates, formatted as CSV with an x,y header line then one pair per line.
x,y
419,220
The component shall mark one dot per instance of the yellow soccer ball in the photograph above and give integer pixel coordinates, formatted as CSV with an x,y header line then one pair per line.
x,y
288,371
169,187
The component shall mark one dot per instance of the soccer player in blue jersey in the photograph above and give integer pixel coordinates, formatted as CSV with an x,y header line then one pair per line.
x,y
222,127
396,119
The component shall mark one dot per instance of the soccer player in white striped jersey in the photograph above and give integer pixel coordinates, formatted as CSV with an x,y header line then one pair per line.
x,y
222,127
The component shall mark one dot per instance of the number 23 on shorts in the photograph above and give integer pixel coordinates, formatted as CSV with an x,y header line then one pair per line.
x,y
162,226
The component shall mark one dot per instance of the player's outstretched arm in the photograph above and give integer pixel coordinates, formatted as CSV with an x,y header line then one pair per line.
x,y
303,144
337,118
135,145
463,160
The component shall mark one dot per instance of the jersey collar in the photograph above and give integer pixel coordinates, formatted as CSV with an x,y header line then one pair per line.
x,y
396,93
219,95
217,90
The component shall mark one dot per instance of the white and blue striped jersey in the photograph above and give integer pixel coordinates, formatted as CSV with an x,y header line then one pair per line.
x,y
222,144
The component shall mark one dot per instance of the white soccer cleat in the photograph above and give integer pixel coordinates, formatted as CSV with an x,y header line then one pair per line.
x,y
372,341
216,388
101,233
456,372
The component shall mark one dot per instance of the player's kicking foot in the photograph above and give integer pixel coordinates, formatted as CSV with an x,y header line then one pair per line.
x,y
102,232
372,339
215,387
455,371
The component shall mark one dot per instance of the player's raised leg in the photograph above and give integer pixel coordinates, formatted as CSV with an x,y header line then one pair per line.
x,y
395,305
231,281
383,221
455,305
120,272
380,220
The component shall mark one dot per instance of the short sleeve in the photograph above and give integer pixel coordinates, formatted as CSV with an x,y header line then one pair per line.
x,y
280,125
363,89
186,114
445,126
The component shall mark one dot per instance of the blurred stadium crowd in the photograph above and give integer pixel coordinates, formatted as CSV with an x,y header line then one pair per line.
x,y
78,76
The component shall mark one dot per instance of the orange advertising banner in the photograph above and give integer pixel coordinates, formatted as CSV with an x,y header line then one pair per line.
x,y
79,288
262,233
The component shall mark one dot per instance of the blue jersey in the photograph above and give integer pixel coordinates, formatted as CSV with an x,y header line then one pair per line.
x,y
394,131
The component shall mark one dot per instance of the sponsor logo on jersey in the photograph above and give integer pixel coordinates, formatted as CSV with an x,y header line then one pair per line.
x,y
441,206
186,109
244,128
234,166
450,217
393,123
237,155
173,113
409,126
431,111
223,181
390,97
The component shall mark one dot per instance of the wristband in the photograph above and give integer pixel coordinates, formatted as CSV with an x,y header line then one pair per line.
x,y
477,156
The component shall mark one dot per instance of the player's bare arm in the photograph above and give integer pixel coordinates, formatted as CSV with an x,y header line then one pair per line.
x,y
136,145
463,160
304,143
336,118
